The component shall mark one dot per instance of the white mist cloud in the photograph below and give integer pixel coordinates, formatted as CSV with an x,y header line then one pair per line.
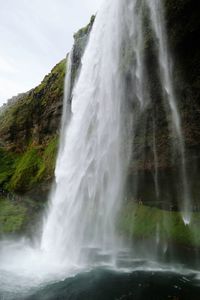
x,y
34,36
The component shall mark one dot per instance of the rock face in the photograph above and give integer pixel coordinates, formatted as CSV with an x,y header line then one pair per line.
x,y
35,116
183,25
183,29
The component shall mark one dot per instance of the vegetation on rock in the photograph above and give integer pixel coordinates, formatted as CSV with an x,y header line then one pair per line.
x,y
21,172
29,131
141,222
34,117
13,216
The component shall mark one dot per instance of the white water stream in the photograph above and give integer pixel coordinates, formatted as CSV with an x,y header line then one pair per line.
x,y
91,165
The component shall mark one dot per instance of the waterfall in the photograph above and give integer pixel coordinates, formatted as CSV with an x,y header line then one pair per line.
x,y
92,161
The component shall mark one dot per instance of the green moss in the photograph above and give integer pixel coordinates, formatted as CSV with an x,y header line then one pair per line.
x,y
21,173
16,126
140,221
28,171
12,216
49,157
55,83
7,163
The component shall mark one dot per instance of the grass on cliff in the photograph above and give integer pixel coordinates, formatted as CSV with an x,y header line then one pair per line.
x,y
13,216
49,157
7,165
20,173
15,117
29,170
140,221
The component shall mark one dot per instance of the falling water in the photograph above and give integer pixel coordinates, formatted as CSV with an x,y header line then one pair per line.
x,y
92,161
155,162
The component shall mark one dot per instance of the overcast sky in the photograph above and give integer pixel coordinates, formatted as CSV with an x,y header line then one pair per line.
x,y
34,36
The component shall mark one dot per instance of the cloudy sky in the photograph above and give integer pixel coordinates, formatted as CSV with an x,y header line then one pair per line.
x,y
34,36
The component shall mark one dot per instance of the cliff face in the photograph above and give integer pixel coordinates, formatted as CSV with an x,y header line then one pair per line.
x,y
35,116
183,29
28,133
183,25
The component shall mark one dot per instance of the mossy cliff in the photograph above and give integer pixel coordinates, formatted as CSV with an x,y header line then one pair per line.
x,y
35,116
29,131
138,221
